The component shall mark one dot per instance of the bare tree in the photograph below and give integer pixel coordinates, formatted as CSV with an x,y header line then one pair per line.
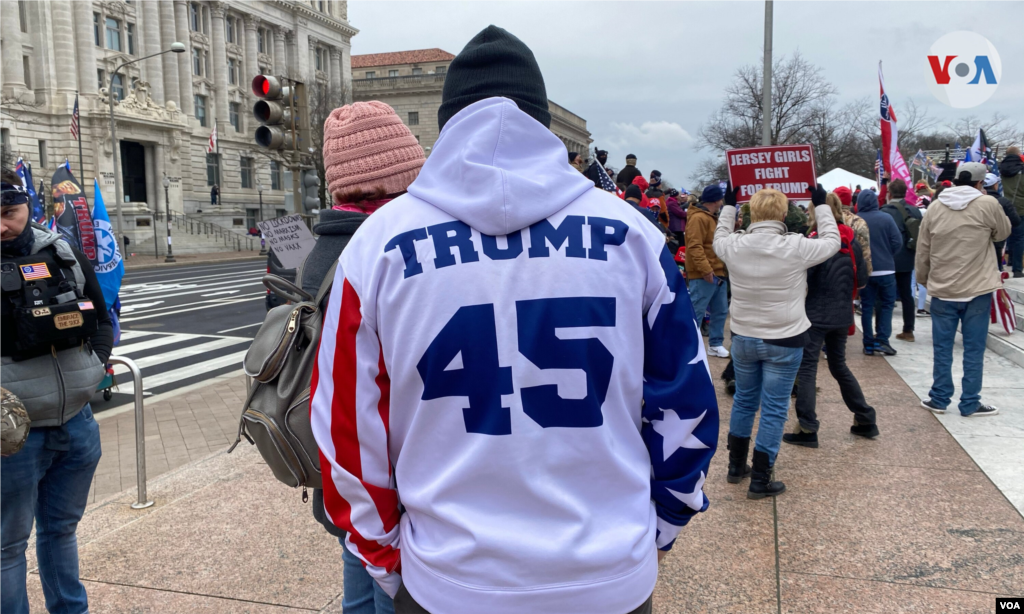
x,y
999,130
322,100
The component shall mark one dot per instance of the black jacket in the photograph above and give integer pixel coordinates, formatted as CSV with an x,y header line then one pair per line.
x,y
829,302
905,257
628,174
1009,210
594,173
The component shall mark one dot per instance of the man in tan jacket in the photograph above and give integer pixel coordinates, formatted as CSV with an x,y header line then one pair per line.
x,y
706,273
957,264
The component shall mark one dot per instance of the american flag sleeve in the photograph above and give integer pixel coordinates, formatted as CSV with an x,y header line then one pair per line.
x,y
680,414
349,412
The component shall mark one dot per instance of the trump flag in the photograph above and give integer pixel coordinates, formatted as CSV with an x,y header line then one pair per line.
x,y
892,161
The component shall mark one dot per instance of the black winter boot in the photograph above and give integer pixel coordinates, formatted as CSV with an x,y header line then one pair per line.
x,y
761,484
801,438
738,467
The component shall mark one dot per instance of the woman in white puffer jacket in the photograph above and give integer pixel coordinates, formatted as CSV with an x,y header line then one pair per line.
x,y
768,274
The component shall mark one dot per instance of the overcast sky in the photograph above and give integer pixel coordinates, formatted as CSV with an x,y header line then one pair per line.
x,y
645,75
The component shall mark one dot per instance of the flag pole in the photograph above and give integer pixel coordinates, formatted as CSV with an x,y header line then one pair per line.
x,y
81,168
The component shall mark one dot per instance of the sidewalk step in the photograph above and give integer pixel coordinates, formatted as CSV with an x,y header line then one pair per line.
x,y
1010,347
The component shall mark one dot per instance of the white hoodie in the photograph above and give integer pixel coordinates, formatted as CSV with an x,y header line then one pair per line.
x,y
511,354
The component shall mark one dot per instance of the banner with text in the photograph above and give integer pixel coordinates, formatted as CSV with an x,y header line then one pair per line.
x,y
290,239
786,168
71,211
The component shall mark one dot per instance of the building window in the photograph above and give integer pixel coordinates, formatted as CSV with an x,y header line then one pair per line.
x,y
229,25
96,29
392,73
42,154
233,71
193,14
370,74
250,218
321,59
130,30
101,78
246,172
414,118
200,105
261,43
26,66
197,62
113,34
117,87
417,71
22,16
5,140
212,169
275,175
441,70
320,5
233,110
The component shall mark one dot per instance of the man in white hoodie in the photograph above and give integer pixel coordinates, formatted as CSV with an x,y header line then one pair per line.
x,y
512,400
957,264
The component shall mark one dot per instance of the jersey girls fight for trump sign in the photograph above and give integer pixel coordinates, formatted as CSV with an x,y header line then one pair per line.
x,y
786,168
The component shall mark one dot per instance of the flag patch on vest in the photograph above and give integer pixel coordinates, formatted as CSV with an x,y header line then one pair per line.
x,y
35,271
86,305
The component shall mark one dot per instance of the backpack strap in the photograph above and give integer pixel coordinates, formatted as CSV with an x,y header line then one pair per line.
x,y
325,285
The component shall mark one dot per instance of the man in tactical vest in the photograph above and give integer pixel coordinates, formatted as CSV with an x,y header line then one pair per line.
x,y
56,338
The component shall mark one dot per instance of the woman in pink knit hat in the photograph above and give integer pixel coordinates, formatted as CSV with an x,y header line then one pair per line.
x,y
370,158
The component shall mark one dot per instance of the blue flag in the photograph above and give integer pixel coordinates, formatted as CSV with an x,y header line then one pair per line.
x,y
24,172
109,265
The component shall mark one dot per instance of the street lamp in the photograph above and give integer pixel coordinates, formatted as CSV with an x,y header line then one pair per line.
x,y
167,204
263,242
118,191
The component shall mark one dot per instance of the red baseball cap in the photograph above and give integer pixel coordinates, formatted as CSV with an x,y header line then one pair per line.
x,y
844,194
920,184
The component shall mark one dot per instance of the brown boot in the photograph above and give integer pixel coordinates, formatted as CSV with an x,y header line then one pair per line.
x,y
908,336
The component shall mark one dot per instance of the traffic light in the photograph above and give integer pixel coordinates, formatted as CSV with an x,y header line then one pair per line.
x,y
276,112
310,190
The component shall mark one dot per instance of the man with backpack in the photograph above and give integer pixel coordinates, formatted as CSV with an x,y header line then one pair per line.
x,y
1011,175
908,220
507,420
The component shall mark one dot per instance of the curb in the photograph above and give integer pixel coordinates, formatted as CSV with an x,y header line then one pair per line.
x,y
164,265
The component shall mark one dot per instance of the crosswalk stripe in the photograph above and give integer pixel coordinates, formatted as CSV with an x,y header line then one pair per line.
x,y
153,343
200,277
133,334
174,375
147,294
193,350
209,304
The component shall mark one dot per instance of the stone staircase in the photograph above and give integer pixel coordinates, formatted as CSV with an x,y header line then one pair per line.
x,y
193,236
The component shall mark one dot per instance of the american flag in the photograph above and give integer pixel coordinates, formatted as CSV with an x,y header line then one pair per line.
x,y
606,182
74,119
34,271
212,145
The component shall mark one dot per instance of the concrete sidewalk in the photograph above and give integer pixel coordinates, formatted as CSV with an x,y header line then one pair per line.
x,y
906,522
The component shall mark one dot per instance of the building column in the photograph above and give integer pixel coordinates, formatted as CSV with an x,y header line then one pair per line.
x,y
220,67
85,47
64,45
168,34
311,59
280,55
334,75
252,63
185,93
159,168
346,75
10,31
151,45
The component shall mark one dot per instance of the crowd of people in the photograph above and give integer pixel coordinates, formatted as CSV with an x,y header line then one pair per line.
x,y
462,465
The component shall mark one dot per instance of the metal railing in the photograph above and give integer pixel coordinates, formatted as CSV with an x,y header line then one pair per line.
x,y
230,238
143,500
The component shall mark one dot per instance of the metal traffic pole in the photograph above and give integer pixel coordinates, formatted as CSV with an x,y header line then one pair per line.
x,y
140,432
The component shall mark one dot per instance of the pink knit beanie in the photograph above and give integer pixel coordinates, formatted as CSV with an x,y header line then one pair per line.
x,y
367,146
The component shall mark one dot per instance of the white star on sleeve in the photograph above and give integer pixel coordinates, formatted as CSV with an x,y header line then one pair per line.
x,y
702,355
666,298
677,433
694,500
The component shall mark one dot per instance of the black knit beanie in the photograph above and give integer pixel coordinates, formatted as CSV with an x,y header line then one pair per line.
x,y
494,63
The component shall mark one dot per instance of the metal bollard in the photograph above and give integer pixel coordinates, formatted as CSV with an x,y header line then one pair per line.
x,y
140,432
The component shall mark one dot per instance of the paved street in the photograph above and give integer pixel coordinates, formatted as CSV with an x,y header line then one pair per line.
x,y
186,327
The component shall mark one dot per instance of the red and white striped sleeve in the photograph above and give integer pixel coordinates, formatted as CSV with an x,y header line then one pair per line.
x,y
349,412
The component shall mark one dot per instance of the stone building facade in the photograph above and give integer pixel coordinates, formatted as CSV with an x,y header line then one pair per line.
x,y
412,82
166,106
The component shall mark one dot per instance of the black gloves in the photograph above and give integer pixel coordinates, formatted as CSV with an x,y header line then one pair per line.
x,y
730,195
817,195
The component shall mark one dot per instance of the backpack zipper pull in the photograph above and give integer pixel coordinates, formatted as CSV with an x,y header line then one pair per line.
x,y
305,495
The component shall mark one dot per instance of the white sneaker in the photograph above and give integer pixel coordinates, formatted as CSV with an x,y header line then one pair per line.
x,y
718,351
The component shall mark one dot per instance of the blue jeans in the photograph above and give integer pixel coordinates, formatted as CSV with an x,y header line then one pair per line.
x,y
362,593
973,319
764,378
713,297
1015,248
879,296
48,482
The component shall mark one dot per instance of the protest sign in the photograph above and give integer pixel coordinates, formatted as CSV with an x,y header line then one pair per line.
x,y
786,168
71,211
289,238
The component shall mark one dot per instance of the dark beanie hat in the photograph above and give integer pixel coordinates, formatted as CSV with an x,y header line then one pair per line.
x,y
712,194
572,156
494,63
633,191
